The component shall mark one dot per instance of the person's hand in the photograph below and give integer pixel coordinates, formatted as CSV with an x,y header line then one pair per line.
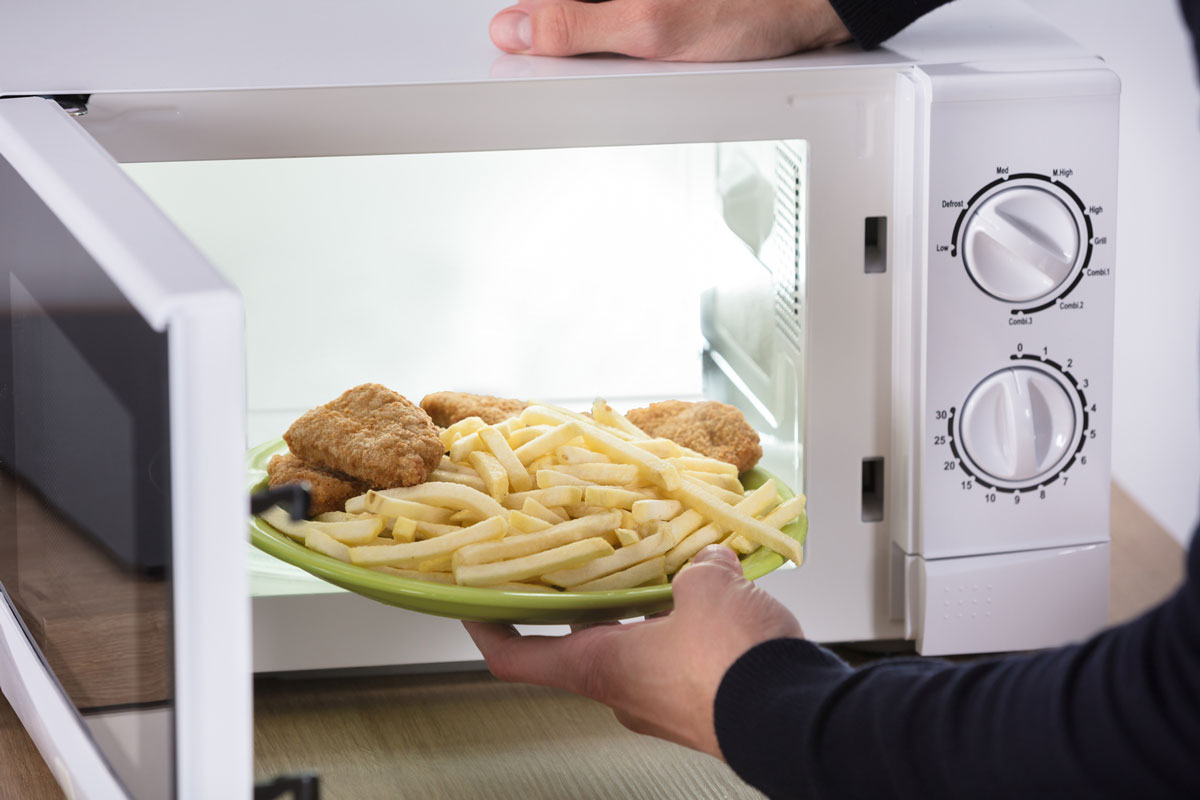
x,y
668,30
659,675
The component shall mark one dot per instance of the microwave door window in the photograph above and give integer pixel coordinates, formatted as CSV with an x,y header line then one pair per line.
x,y
85,524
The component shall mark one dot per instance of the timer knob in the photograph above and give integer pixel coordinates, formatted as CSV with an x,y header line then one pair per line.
x,y
1021,243
1017,424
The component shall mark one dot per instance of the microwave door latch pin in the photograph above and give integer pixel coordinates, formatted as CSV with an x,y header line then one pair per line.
x,y
295,497
300,787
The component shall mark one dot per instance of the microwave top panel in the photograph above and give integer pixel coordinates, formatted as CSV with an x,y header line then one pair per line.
x,y
133,46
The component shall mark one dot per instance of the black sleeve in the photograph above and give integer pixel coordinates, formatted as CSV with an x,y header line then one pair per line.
x,y
1117,716
873,21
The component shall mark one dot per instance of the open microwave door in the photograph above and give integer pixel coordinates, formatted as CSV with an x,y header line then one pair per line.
x,y
124,619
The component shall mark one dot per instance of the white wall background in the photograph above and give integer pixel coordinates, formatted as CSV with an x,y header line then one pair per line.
x,y
1156,441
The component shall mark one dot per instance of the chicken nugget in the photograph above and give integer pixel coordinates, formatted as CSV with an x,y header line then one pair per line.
x,y
329,490
447,408
370,433
713,429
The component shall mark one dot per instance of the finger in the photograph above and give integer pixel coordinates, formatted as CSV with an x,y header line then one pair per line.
x,y
583,626
712,573
541,660
570,27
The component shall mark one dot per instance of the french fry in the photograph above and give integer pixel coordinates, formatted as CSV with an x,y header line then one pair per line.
x,y
409,509
779,516
518,477
404,529
682,526
324,543
636,575
508,426
572,454
740,544
350,531
554,496
663,473
491,471
692,541
704,464
458,430
524,435
439,564
446,465
467,444
428,530
535,509
334,516
611,497
663,448
611,419
584,510
547,478
724,495
520,569
449,495
647,510
563,432
448,476
650,547
721,480
627,537
607,474
518,546
411,554
531,417
698,496
520,522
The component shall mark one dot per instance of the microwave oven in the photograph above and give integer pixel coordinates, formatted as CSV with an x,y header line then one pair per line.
x,y
898,264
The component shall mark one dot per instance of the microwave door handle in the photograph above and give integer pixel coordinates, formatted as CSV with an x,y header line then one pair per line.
x,y
295,497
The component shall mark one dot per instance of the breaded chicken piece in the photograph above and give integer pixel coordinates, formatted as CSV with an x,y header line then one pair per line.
x,y
370,433
714,429
329,490
447,408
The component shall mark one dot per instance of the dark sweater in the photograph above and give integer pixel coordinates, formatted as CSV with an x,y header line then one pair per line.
x,y
872,21
1117,716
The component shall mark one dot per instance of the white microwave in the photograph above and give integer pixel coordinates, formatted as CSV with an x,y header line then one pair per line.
x,y
898,264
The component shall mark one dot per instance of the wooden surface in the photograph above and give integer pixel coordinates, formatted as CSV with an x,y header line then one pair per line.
x,y
465,735
102,626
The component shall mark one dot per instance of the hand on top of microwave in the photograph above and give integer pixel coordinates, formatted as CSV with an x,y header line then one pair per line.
x,y
659,675
668,30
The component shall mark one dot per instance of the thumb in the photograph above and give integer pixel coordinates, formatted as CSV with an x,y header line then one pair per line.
x,y
712,572
560,28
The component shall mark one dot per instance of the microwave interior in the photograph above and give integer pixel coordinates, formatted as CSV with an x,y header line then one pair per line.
x,y
634,273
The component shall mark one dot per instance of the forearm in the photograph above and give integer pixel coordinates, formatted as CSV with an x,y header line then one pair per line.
x,y
873,21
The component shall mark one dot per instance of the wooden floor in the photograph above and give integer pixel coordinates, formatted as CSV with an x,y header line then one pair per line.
x,y
467,736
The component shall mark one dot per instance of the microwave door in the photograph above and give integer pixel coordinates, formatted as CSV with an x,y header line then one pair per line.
x,y
124,627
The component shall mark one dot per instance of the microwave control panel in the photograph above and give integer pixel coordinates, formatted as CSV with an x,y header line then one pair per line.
x,y
1012,303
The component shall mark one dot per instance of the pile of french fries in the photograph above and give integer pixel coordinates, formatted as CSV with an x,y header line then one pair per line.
x,y
553,500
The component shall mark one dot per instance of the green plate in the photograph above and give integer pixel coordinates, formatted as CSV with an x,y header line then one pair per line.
x,y
490,605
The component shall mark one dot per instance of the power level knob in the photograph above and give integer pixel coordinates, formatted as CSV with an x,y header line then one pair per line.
x,y
1018,424
1021,243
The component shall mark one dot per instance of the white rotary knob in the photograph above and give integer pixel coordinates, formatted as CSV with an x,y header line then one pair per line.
x,y
1017,424
1021,243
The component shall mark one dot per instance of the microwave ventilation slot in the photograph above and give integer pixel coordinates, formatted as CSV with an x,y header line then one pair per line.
x,y
784,253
